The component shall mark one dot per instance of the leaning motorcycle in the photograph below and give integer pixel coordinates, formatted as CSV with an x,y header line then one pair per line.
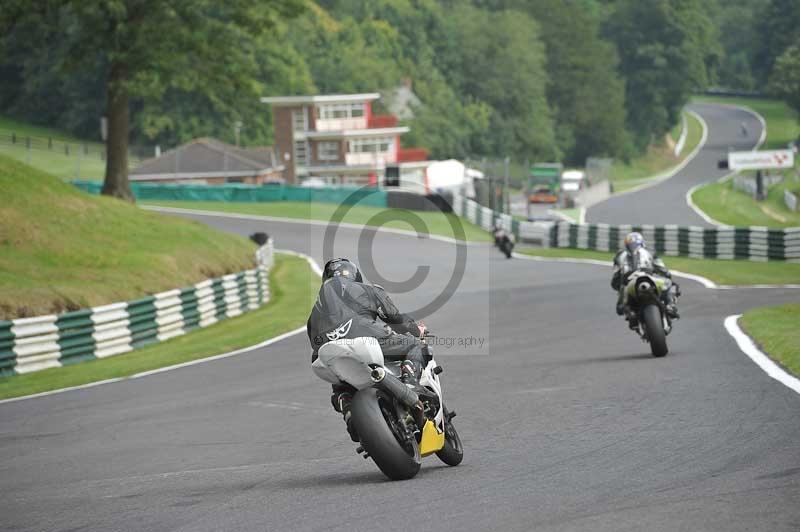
x,y
397,426
504,242
644,306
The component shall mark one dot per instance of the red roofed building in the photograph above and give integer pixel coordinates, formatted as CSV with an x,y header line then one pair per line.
x,y
336,138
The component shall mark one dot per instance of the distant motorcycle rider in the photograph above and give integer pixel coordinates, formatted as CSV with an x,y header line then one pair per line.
x,y
624,266
498,233
503,239
347,307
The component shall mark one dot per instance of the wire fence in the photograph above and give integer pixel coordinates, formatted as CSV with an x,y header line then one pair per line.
x,y
68,159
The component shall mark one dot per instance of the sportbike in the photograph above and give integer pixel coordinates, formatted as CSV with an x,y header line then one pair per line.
x,y
397,424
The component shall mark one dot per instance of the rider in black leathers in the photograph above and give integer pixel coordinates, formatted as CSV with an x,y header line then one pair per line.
x,y
347,307
623,258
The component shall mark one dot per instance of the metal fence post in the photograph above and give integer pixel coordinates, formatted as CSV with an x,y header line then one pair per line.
x,y
78,165
507,196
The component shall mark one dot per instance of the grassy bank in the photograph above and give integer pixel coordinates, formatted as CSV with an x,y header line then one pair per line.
x,y
775,331
657,160
293,287
61,249
732,207
437,223
782,124
727,272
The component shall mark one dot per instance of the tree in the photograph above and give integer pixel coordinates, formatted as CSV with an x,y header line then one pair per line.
x,y
585,92
777,27
667,49
148,47
785,79
735,21
498,58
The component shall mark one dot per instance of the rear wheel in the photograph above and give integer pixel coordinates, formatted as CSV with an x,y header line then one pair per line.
x,y
383,437
507,247
453,452
654,328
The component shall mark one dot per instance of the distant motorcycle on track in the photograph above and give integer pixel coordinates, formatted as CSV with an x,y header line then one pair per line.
x,y
504,241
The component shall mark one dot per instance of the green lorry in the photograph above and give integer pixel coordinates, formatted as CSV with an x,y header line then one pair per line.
x,y
544,182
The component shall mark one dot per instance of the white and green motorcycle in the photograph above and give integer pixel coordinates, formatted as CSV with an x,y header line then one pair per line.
x,y
644,305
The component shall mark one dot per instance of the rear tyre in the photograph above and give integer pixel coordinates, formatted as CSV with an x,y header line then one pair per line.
x,y
453,452
507,248
380,434
654,329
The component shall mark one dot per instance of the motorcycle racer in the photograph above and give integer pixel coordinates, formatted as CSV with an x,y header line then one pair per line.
x,y
348,307
623,267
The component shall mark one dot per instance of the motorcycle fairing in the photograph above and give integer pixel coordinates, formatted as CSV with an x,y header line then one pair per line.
x,y
432,440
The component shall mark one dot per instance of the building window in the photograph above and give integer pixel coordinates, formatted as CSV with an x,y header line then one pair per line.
x,y
299,122
328,151
300,153
374,145
340,110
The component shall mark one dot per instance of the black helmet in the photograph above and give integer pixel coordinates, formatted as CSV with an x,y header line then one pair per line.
x,y
343,267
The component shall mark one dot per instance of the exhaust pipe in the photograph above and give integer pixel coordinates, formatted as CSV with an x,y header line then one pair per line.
x,y
392,385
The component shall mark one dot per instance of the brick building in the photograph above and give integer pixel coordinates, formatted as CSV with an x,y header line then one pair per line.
x,y
336,138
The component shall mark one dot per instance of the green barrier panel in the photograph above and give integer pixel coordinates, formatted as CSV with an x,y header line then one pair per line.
x,y
75,336
249,193
271,193
8,358
349,196
296,194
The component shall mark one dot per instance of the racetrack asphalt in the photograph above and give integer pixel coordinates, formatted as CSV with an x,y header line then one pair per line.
x,y
568,423
665,203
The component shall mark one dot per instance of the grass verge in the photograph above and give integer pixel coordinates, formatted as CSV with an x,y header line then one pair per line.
x,y
52,158
657,160
293,287
61,249
437,223
89,167
733,207
724,272
574,213
775,331
782,121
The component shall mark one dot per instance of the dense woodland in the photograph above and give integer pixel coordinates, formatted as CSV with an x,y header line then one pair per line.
x,y
527,78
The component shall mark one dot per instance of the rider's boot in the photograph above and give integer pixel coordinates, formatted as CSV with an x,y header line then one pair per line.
x,y
671,302
620,304
410,377
672,311
341,399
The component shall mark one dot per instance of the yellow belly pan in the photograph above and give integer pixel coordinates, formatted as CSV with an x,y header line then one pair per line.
x,y
432,439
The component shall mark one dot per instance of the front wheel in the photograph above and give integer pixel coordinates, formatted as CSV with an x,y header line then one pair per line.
x,y
453,452
382,435
654,329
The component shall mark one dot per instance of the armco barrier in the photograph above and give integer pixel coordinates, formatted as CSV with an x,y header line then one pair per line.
x,y
748,243
790,199
248,193
32,344
536,232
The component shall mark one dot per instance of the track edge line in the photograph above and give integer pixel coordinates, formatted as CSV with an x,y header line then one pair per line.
x,y
749,348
